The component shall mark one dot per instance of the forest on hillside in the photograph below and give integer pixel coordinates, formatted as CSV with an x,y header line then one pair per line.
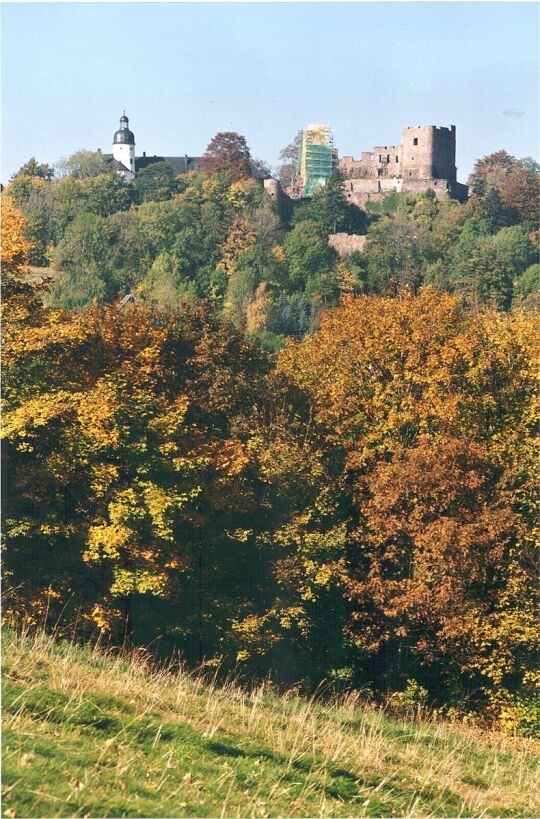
x,y
276,459
216,235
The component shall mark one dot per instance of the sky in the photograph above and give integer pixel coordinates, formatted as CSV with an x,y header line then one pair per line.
x,y
184,71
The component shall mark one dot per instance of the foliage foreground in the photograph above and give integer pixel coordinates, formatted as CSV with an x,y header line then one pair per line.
x,y
360,507
88,733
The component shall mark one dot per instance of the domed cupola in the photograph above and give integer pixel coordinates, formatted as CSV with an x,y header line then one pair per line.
x,y
124,136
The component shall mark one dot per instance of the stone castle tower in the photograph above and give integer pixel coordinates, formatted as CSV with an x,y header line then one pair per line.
x,y
429,152
124,147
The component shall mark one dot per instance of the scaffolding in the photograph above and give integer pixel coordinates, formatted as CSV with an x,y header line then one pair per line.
x,y
316,157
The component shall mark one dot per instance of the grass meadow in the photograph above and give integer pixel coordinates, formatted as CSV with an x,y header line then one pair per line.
x,y
89,733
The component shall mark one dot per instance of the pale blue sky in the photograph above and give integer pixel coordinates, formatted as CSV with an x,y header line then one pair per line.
x,y
185,71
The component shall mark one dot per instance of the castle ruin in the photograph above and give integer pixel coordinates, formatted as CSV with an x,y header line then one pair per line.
x,y
425,159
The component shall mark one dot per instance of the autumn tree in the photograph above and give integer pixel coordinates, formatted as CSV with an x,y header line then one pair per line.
x,y
516,181
126,435
490,171
258,310
22,322
240,239
261,168
289,157
40,170
395,399
440,530
34,197
521,190
364,508
15,245
228,151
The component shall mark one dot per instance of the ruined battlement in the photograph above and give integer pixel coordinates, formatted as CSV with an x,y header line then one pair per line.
x,y
426,154
443,128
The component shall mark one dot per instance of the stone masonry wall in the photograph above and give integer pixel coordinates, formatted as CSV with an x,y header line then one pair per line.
x,y
384,160
346,243
272,188
361,191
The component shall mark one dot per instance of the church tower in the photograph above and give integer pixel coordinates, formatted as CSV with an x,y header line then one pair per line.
x,y
124,147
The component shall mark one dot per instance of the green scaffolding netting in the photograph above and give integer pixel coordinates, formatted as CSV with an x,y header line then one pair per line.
x,y
316,164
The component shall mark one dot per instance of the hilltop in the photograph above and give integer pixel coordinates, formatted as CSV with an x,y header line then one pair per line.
x,y
89,733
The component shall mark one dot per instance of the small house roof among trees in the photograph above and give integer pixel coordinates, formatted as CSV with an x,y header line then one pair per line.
x,y
178,164
113,163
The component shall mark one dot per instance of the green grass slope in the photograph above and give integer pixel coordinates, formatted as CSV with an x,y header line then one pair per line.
x,y
89,734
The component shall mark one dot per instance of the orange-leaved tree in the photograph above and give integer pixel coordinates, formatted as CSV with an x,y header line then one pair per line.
x,y
227,151
418,422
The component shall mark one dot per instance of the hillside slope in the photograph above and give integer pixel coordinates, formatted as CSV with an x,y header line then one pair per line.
x,y
88,734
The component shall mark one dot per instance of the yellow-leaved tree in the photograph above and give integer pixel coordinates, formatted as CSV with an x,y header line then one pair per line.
x,y
129,466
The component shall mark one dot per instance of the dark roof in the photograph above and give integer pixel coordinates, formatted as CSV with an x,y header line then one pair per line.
x,y
124,137
114,163
184,164
178,164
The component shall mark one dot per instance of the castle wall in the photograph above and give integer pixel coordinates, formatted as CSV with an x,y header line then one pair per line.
x,y
281,198
273,188
427,152
361,191
346,243
384,160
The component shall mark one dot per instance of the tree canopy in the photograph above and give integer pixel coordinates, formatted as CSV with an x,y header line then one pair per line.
x,y
227,151
83,164
41,170
359,506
